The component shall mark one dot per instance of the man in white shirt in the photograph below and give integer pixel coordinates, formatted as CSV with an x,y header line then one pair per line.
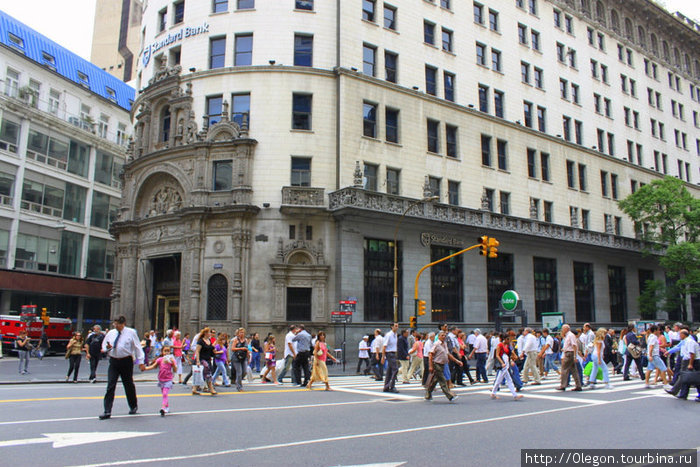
x,y
377,345
529,350
493,342
548,353
587,338
363,355
389,347
480,350
121,344
289,354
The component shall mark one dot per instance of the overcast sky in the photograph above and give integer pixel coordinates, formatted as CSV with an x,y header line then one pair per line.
x,y
70,22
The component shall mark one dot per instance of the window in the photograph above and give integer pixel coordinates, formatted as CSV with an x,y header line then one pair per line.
x,y
486,150
217,298
604,183
389,17
583,291
545,278
223,175
433,141
561,52
566,124
162,19
601,139
557,18
221,6
585,219
618,294
83,79
496,60
428,32
570,174
617,225
246,4
604,73
563,88
392,125
103,126
369,55
522,34
451,141
478,13
569,24
303,50
165,124
446,284
601,41
535,37
582,183
104,208
541,119
379,279
501,147
594,69
370,177
544,166
217,52
368,10
48,60
445,4
54,101
392,181
100,260
214,109
483,98
369,119
480,54
493,20
525,72
301,111
304,5
539,78
532,6
390,66
572,58
299,303
122,138
240,109
301,171
431,80
534,208
446,40
531,163
449,86
575,97
578,131
453,192
434,186
527,113
499,278
498,103
548,211
488,198
504,203
613,185
179,14
611,144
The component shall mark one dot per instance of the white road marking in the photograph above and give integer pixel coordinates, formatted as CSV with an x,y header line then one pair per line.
x,y
62,440
356,436
195,412
385,464
530,395
387,395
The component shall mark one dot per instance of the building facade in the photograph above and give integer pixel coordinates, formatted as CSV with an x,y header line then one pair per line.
x,y
116,37
282,146
63,134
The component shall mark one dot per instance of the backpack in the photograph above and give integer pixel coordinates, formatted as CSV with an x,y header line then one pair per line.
x,y
555,345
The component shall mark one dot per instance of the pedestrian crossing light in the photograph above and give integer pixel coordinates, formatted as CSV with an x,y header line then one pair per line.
x,y
483,245
493,247
421,307
412,321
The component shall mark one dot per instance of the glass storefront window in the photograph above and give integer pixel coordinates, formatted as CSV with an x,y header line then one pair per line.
x,y
78,157
105,210
36,253
74,206
100,261
71,253
103,168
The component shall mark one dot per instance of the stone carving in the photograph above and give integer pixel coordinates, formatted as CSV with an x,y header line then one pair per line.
x,y
484,202
534,211
315,251
357,176
163,232
219,246
164,72
302,196
165,201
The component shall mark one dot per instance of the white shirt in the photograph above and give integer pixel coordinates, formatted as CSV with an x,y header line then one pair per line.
x,y
470,339
428,346
529,343
288,340
673,335
480,344
520,343
652,340
377,344
390,342
364,347
128,345
495,340
587,338
689,346
550,342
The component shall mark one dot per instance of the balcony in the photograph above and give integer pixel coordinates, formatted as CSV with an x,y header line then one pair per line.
x,y
294,197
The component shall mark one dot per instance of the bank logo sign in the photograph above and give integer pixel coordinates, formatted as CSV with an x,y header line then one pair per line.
x,y
172,38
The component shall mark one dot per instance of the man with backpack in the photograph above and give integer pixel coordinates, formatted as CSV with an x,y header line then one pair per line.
x,y
549,350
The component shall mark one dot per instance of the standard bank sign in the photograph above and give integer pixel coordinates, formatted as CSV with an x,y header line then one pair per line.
x,y
172,38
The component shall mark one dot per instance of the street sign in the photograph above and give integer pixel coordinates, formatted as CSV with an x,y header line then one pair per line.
x,y
341,316
509,301
348,305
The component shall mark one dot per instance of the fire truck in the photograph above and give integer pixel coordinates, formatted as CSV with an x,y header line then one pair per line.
x,y
58,330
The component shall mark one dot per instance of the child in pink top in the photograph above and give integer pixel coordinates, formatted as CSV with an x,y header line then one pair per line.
x,y
166,364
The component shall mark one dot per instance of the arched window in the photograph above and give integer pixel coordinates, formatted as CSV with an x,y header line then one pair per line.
x,y
217,298
600,12
642,37
586,7
165,124
614,21
697,69
654,45
666,51
687,67
629,29
676,56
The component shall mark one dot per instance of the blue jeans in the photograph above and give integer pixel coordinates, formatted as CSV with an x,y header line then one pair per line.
x,y
481,367
594,371
221,370
549,363
23,359
255,363
516,376
287,366
579,369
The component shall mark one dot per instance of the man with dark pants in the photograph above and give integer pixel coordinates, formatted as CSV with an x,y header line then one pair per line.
x,y
301,361
631,338
93,350
389,348
481,350
690,361
122,344
438,357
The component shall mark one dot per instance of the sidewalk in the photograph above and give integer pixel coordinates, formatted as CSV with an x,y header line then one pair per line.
x,y
53,369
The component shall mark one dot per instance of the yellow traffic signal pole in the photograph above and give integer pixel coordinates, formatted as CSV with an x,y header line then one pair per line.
x,y
415,286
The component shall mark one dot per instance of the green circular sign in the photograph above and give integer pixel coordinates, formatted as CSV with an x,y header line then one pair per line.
x,y
509,300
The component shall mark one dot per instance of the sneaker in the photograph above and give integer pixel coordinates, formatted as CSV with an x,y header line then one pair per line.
x,y
167,410
454,398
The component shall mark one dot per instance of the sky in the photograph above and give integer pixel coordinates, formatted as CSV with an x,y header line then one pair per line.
x,y
70,22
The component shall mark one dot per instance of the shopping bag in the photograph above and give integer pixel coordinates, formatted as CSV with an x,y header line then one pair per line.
x,y
197,375
589,367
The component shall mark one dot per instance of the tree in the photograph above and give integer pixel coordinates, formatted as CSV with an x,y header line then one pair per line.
x,y
667,217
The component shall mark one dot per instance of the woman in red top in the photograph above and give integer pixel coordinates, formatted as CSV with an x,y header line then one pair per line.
x,y
502,363
319,371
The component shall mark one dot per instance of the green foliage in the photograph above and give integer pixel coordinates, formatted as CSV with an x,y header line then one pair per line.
x,y
649,299
682,261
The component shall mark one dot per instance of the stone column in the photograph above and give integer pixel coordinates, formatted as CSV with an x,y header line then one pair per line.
x,y
237,285
128,256
193,315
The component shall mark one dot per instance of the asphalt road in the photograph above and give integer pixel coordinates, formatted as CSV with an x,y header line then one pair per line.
x,y
355,424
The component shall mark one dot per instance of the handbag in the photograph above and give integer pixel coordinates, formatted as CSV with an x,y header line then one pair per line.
x,y
197,375
690,378
634,350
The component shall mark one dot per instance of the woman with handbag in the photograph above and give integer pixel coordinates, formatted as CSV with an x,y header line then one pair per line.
x,y
74,354
502,363
23,347
270,362
203,355
319,371
239,357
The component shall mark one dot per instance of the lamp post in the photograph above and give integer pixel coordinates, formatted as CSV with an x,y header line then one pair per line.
x,y
425,199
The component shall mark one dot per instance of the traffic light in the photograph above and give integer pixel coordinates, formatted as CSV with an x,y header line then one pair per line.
x,y
483,245
493,247
421,307
412,321
44,317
